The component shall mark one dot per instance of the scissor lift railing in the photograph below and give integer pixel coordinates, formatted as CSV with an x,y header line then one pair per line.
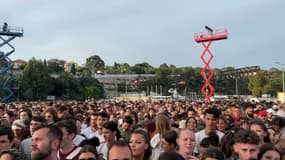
x,y
7,34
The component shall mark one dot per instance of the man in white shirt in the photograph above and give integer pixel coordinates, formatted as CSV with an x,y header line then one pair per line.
x,y
68,150
96,126
211,117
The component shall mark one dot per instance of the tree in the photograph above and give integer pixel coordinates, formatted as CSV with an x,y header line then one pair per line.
x,y
163,74
92,88
142,68
260,83
55,65
95,63
93,92
119,68
36,80
275,76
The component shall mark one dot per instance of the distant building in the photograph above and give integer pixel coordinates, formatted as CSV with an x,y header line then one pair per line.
x,y
111,82
18,63
57,65
68,66
18,67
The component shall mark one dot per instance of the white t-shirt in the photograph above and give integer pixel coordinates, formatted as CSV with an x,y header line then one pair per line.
x,y
88,133
156,148
199,136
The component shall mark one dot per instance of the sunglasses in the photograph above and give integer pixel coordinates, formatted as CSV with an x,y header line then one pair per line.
x,y
87,159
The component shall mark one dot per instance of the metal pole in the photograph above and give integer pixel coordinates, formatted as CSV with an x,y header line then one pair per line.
x,y
236,85
126,88
283,84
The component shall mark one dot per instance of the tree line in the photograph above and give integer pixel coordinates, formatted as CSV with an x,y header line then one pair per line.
x,y
41,78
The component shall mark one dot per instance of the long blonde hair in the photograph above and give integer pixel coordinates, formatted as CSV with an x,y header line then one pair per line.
x,y
162,124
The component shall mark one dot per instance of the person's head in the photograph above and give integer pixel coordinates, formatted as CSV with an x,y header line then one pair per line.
x,y
19,128
50,115
277,124
110,130
69,131
246,144
268,152
61,110
249,111
227,142
211,116
191,113
120,150
212,154
191,123
46,141
212,141
102,117
272,135
9,116
186,142
139,143
162,124
93,120
12,154
262,114
221,125
94,141
36,122
88,152
244,123
127,123
1,110
260,129
6,137
147,118
168,141
25,114
236,111
171,155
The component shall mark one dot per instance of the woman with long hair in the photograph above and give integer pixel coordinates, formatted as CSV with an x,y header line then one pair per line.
x,y
139,144
162,125
192,124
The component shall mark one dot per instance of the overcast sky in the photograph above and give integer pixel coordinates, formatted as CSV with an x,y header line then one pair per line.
x,y
153,31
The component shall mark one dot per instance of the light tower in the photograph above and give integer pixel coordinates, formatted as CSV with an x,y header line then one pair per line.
x,y
207,73
7,34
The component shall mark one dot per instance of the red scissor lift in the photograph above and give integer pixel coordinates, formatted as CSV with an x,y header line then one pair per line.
x,y
207,73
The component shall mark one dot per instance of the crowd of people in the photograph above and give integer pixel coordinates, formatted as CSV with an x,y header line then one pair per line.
x,y
139,130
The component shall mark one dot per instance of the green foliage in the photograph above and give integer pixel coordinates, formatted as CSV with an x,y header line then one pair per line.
x,y
93,92
118,68
39,81
92,88
95,63
48,78
36,82
260,83
85,72
142,68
